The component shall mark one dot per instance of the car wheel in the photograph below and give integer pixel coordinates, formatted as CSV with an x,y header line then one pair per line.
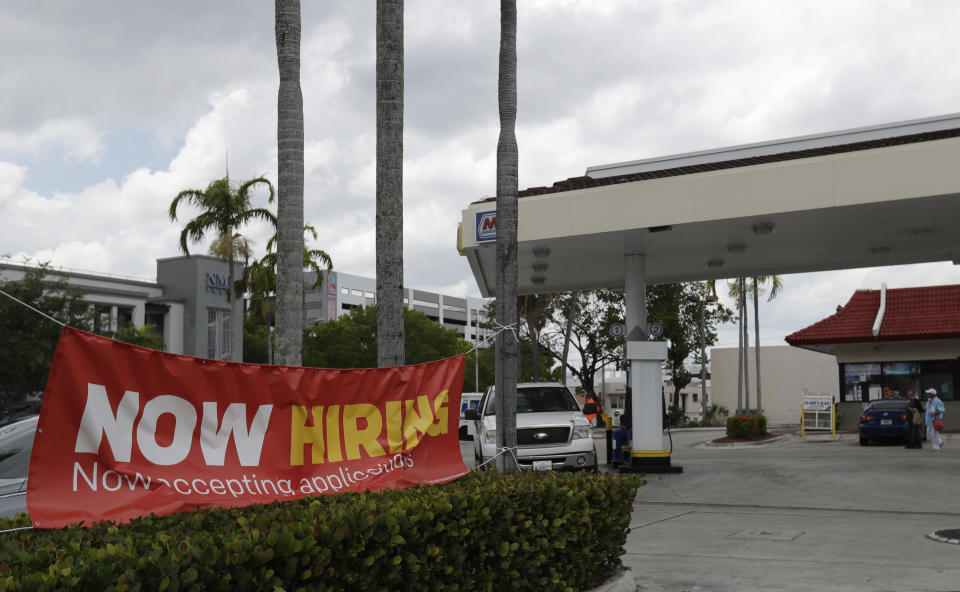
x,y
463,433
477,460
864,441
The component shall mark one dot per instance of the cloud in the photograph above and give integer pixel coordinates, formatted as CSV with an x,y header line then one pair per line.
x,y
599,82
77,140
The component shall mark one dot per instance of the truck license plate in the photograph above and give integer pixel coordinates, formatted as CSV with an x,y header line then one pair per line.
x,y
542,465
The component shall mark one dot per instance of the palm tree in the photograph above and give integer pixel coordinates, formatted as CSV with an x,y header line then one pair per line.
x,y
223,210
737,289
390,340
776,284
262,282
507,189
533,307
289,185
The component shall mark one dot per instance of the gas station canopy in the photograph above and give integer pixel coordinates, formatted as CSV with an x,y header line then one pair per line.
x,y
882,195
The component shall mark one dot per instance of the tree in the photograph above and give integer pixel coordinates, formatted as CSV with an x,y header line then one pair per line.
x,y
481,372
592,315
507,190
534,308
688,324
738,290
27,339
390,338
535,312
776,284
261,276
351,340
568,331
671,305
143,336
224,209
289,298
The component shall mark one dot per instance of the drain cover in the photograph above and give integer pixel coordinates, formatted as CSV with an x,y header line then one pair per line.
x,y
951,536
766,535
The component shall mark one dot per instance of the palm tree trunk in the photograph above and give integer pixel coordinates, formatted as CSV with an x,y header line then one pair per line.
x,y
746,345
571,313
390,340
507,189
289,186
756,333
531,312
739,353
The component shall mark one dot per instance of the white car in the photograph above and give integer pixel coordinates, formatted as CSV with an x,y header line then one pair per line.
x,y
552,432
16,443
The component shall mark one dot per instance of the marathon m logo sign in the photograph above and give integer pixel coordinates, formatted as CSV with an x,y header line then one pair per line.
x,y
486,226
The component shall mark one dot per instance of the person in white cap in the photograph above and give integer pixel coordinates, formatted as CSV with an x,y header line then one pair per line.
x,y
934,411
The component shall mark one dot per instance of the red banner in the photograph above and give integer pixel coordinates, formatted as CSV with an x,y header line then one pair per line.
x,y
125,431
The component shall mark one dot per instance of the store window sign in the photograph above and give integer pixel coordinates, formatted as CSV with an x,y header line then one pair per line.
x,y
901,368
861,372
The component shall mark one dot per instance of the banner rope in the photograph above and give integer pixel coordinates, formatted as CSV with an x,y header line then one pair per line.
x,y
39,312
16,529
486,340
500,452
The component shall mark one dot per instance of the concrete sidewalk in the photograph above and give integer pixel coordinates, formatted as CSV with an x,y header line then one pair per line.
x,y
818,514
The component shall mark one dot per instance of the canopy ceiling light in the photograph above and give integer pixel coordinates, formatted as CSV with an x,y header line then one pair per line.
x,y
715,263
541,252
923,231
762,228
537,280
882,250
736,247
540,267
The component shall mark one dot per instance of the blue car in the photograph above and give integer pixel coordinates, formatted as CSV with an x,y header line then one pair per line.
x,y
884,419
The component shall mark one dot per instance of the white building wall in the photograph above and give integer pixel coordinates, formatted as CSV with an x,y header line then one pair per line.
x,y
785,372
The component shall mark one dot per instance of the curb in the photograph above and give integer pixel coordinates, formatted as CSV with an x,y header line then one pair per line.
x,y
946,536
760,444
621,581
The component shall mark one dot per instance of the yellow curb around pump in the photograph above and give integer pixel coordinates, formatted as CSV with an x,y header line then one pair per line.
x,y
650,453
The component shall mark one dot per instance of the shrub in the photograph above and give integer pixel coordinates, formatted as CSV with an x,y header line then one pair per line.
x,y
715,416
529,531
746,426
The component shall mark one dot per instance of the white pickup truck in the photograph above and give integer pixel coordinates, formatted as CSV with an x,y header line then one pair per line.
x,y
552,432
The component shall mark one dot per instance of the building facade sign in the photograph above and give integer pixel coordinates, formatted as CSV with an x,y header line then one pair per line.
x,y
217,283
486,226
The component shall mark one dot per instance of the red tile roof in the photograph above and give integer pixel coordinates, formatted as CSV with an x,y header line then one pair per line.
x,y
585,182
931,312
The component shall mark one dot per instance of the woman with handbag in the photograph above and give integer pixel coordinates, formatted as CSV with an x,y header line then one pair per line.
x,y
934,418
915,421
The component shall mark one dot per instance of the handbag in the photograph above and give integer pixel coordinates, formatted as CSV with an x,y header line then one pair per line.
x,y
938,424
917,417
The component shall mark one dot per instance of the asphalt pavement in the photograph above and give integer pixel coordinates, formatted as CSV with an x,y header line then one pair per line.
x,y
796,515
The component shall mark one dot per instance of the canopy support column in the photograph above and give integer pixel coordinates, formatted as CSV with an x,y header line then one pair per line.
x,y
645,359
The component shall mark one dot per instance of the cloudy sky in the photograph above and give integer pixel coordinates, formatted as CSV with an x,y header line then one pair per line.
x,y
109,109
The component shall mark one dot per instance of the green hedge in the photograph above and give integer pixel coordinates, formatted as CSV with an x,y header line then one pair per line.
x,y
746,426
529,531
